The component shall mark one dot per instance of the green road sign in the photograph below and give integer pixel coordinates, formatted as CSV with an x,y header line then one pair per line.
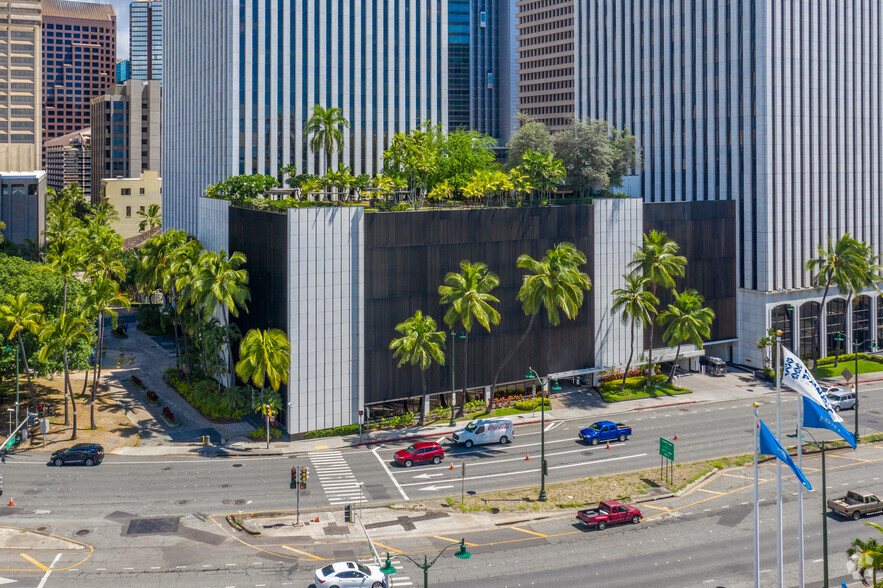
x,y
666,448
10,442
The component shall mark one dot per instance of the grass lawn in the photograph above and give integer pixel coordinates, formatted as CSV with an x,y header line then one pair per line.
x,y
630,393
864,367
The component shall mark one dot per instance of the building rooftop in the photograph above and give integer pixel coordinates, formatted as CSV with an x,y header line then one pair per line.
x,y
71,9
64,140
31,175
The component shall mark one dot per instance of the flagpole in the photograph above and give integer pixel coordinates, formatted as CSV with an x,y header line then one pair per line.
x,y
780,556
800,577
756,500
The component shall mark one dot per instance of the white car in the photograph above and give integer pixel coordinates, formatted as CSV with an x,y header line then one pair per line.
x,y
349,574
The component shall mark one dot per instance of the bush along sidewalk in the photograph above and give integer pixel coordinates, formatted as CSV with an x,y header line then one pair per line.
x,y
204,395
169,417
152,398
260,434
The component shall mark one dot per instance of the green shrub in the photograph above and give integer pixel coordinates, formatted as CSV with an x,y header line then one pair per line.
x,y
532,404
630,383
849,357
261,433
150,320
333,432
475,406
204,395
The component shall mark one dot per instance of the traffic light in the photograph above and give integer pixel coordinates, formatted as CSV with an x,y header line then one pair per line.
x,y
348,513
303,477
293,478
32,419
42,413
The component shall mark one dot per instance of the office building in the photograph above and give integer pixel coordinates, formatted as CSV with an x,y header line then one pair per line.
x,y
79,62
546,61
23,206
20,79
775,110
128,196
145,39
127,131
69,161
124,70
242,80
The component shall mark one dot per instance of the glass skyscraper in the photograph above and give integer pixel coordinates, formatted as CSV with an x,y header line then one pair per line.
x,y
145,39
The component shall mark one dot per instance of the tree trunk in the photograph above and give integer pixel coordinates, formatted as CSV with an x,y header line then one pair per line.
x,y
68,390
422,400
628,364
461,410
674,366
511,353
839,343
64,297
83,393
96,372
24,357
817,343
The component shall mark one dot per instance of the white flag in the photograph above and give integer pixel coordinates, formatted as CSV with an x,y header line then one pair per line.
x,y
796,376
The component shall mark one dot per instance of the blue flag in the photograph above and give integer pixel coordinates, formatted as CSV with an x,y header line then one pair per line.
x,y
769,445
818,418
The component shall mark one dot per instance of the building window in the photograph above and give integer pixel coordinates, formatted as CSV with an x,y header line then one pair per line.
x,y
141,208
125,191
128,212
141,191
836,323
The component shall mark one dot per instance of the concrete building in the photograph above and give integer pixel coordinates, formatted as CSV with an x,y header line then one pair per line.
x,y
69,161
20,79
127,131
774,106
124,71
145,39
23,206
130,195
242,80
79,62
546,61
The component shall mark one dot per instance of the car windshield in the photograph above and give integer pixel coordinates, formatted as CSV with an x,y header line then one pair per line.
x,y
364,569
595,427
833,396
471,426
411,449
327,570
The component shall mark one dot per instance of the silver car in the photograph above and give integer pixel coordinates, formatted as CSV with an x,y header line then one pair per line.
x,y
840,399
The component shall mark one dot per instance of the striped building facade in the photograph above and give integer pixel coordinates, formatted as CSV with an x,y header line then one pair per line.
x,y
242,77
774,104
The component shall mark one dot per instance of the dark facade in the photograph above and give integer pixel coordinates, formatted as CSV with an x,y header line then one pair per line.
x,y
406,259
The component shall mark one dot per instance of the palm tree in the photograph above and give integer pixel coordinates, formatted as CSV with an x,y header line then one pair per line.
x,y
60,336
155,273
468,295
420,345
151,218
326,125
657,260
264,356
554,283
19,315
62,236
841,265
637,306
100,297
868,557
686,319
868,279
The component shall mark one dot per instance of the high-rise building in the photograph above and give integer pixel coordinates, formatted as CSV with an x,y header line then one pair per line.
x,y
79,62
242,80
459,38
778,111
145,39
546,61
20,117
126,131
124,70
69,161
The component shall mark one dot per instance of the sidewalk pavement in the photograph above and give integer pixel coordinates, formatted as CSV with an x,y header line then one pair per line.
x,y
573,404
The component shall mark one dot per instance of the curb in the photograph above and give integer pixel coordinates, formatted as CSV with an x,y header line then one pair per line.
x,y
665,405
363,443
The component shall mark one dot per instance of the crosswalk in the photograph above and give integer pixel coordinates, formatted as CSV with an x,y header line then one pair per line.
x,y
336,477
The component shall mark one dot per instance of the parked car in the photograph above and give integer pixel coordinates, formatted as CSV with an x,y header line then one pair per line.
x,y
424,452
714,366
485,431
840,399
89,454
856,504
347,574
609,512
605,431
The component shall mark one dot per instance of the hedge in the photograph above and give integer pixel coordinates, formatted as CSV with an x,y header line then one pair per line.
x,y
850,357
532,404
639,382
333,432
204,396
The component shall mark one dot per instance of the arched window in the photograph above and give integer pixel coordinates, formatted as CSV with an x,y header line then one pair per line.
x,y
861,323
782,319
836,323
809,313
880,321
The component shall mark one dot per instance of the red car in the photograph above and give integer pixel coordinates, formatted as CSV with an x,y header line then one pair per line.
x,y
427,451
609,512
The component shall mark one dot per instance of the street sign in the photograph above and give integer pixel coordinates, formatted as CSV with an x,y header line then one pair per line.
x,y
847,375
44,426
10,442
667,448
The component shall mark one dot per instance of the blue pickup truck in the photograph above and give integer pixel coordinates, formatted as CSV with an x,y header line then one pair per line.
x,y
605,431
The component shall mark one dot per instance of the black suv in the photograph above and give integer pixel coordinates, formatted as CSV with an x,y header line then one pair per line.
x,y
86,453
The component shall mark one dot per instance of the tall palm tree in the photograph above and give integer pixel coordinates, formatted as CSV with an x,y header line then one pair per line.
x,y
467,293
151,218
868,557
264,356
101,297
657,260
419,345
186,294
868,279
326,126
155,273
637,305
18,315
61,335
63,242
843,264
555,283
686,319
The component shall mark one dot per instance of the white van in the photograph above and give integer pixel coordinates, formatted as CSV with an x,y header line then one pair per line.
x,y
485,431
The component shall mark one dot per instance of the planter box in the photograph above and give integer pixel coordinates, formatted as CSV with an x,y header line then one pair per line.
x,y
168,422
156,402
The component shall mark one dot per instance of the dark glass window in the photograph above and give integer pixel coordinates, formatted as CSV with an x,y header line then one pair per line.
x,y
836,323
809,313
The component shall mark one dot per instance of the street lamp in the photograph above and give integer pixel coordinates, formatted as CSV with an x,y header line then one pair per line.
x,y
840,336
531,374
388,569
454,337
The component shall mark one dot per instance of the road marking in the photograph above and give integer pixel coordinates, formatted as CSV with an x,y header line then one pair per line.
x,y
434,488
529,532
440,439
388,548
496,461
554,425
709,491
48,571
35,562
454,541
427,476
656,507
818,560
298,551
388,473
336,478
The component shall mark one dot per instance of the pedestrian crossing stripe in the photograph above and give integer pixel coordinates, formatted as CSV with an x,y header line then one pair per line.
x,y
336,478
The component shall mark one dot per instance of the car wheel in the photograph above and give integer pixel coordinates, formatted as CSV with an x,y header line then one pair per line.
x,y
622,437
469,444
636,519
595,440
602,525
856,515
836,408
408,463
504,439
376,585
436,460
59,462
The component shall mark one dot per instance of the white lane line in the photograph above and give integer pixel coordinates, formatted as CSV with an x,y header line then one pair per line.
x,y
388,473
469,465
49,571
